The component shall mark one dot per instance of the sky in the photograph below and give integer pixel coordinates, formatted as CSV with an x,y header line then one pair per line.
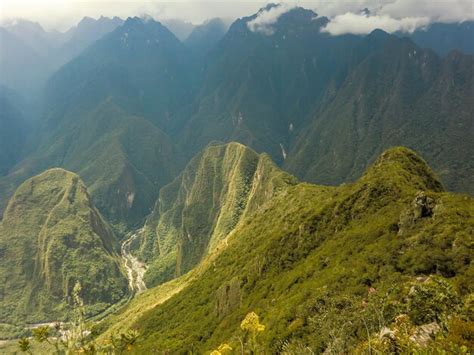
x,y
345,15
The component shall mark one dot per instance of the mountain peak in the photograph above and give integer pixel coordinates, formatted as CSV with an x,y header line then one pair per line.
x,y
143,22
378,34
24,24
145,29
403,166
232,178
275,17
135,20
86,20
49,180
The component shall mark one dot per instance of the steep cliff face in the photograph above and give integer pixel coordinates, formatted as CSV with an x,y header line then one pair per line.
x,y
51,237
204,204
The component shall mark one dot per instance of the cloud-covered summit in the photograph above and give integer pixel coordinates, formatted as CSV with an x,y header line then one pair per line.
x,y
392,15
267,17
363,16
363,24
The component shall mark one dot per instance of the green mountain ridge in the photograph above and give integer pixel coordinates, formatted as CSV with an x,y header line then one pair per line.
x,y
324,267
217,189
52,236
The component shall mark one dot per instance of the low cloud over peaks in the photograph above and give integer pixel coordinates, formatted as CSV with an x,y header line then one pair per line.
x,y
392,15
362,24
266,18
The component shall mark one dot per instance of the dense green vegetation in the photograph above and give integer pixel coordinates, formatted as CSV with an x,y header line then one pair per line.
x,y
52,236
216,190
327,269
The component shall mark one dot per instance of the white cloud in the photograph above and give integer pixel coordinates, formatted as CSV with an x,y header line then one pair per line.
x,y
436,10
361,24
265,19
392,15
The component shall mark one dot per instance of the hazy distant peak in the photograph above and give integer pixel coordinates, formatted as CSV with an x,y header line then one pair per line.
x,y
205,36
133,20
24,25
89,21
146,17
215,20
86,20
142,22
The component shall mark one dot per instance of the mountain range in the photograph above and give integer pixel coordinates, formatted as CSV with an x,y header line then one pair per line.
x,y
198,173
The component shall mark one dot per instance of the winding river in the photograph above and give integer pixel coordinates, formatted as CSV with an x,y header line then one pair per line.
x,y
134,267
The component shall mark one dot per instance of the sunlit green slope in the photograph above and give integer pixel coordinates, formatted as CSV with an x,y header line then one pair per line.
x,y
325,268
